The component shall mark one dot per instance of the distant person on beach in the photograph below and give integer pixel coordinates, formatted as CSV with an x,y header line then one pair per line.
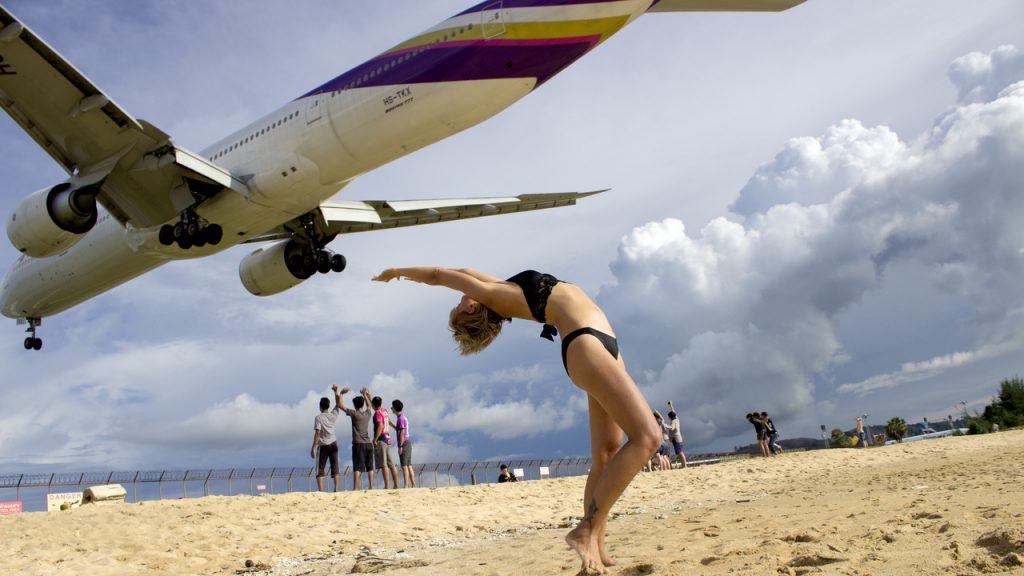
x,y
404,445
862,437
590,356
755,419
325,445
362,447
664,463
771,434
505,475
382,443
676,434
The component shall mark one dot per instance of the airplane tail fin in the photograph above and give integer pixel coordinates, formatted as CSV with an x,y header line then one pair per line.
x,y
723,5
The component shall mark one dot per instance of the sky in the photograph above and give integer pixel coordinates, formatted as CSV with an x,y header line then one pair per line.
x,y
814,214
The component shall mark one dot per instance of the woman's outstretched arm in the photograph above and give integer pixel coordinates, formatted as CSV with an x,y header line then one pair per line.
x,y
504,298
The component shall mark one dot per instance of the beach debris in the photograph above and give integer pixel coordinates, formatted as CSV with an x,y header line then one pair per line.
x,y
252,566
1012,559
919,487
802,537
639,570
814,560
376,564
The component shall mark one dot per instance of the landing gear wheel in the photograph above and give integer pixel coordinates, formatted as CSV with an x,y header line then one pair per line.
x,y
192,229
178,230
338,262
29,343
167,234
184,242
214,234
323,262
199,240
38,344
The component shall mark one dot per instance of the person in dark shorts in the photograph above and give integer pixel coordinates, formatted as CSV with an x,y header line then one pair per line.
x,y
382,457
325,444
755,419
771,434
362,448
404,445
676,434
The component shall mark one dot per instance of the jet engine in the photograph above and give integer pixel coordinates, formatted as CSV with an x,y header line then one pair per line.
x,y
266,272
284,265
53,219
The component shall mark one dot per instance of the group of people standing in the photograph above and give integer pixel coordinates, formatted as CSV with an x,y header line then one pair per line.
x,y
670,434
767,434
369,452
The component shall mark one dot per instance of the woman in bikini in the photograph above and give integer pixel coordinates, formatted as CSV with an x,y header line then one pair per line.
x,y
591,357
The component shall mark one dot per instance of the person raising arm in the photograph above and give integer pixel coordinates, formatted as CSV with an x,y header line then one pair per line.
x,y
590,356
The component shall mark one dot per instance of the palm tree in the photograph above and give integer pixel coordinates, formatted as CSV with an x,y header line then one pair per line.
x,y
896,429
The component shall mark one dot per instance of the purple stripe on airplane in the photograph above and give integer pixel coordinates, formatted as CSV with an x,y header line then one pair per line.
x,y
492,4
480,60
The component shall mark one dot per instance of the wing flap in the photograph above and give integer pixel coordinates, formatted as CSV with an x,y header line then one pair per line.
x,y
351,217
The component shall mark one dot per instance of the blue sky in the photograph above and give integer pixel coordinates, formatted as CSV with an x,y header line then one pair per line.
x,y
814,213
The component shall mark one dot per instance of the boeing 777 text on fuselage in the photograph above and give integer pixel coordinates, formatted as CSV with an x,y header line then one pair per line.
x,y
271,181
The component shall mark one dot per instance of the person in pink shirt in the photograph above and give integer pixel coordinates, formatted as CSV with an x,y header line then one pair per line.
x,y
382,444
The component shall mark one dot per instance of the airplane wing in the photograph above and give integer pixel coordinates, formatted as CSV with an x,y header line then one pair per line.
x,y
724,5
92,137
348,216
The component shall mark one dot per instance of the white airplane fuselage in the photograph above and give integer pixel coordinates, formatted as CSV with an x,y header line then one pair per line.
x,y
437,84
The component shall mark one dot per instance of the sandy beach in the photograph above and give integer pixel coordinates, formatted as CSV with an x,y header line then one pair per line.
x,y
945,506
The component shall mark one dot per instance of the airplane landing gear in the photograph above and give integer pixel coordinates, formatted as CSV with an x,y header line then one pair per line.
x,y
191,231
32,342
306,261
309,254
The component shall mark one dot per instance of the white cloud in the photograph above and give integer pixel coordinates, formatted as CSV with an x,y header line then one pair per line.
x,y
979,77
742,316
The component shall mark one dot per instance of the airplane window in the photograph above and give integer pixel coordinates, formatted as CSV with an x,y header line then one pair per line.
x,y
470,27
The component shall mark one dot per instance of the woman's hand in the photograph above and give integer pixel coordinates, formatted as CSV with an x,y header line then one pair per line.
x,y
387,275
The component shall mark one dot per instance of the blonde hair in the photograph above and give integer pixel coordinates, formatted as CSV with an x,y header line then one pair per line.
x,y
474,331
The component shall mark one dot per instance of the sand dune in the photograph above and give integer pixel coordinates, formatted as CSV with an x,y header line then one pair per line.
x,y
944,506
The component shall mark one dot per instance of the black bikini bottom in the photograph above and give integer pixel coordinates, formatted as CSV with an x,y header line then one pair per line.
x,y
610,343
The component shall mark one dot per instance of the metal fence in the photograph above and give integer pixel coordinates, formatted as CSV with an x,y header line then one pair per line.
x,y
159,484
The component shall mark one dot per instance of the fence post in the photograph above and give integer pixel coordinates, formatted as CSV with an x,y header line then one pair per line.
x,y
184,485
206,483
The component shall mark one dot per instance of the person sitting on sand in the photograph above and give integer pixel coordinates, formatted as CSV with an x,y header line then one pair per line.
x,y
506,476
590,355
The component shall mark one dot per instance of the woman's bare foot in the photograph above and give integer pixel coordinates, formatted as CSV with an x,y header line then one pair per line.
x,y
603,550
581,539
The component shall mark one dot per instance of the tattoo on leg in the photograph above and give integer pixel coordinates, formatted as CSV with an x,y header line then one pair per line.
x,y
591,510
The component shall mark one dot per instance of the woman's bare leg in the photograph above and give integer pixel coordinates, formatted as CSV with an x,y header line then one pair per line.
x,y
622,408
605,440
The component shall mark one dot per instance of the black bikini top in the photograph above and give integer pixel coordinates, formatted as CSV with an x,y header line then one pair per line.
x,y
536,288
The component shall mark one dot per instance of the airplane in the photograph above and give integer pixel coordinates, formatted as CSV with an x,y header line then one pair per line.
x,y
135,199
